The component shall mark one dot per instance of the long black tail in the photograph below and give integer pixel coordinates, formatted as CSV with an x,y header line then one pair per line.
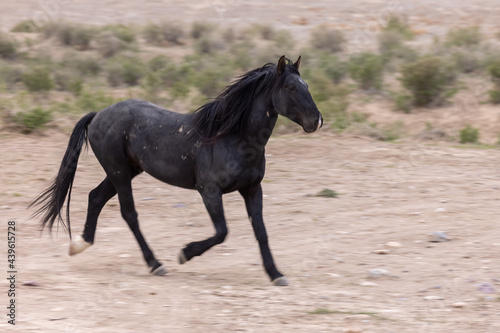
x,y
52,199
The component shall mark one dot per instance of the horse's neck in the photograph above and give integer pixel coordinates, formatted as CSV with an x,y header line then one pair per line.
x,y
260,124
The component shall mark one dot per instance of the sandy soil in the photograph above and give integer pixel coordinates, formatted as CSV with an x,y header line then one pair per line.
x,y
388,193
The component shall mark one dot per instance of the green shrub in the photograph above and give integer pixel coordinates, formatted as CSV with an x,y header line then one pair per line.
x,y
284,41
320,86
28,26
211,81
65,35
114,74
327,193
94,101
39,58
367,69
403,102
389,41
164,74
494,96
8,47
38,79
466,61
123,32
494,70
405,53
331,65
108,44
469,134
53,28
33,119
11,74
393,131
180,86
75,35
229,35
128,70
208,44
210,74
243,54
429,80
50,29
83,65
264,31
88,100
158,63
67,80
399,25
87,65
163,34
200,29
467,36
333,102
391,46
328,39
334,68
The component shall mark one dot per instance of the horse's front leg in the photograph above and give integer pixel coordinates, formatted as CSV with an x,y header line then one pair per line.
x,y
213,203
253,202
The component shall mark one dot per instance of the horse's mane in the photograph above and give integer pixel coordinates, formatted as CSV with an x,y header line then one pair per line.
x,y
228,113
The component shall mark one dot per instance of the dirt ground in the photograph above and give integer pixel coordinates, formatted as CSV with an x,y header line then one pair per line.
x,y
388,192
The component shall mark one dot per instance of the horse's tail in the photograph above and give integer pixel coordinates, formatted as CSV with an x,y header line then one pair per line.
x,y
52,199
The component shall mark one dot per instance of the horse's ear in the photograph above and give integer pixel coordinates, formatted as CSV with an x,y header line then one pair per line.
x,y
297,63
281,65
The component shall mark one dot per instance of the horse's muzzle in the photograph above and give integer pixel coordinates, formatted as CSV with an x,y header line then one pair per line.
x,y
313,126
319,122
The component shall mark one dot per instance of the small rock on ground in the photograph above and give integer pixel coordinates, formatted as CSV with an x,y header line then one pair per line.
x,y
433,298
393,244
459,304
377,272
486,288
438,237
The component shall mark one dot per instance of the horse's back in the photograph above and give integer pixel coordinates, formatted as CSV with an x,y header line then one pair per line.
x,y
132,112
151,138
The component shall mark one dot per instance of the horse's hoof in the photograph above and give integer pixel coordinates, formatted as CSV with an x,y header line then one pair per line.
x,y
160,270
77,245
281,281
182,258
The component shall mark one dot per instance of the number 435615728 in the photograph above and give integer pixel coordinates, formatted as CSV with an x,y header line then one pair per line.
x,y
11,241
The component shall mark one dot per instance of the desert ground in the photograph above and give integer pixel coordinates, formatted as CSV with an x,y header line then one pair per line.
x,y
326,246
391,198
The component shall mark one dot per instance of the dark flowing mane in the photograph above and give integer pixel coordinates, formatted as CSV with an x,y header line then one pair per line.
x,y
228,113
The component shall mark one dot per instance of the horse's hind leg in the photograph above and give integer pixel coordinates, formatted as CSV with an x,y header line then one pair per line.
x,y
124,189
213,203
97,199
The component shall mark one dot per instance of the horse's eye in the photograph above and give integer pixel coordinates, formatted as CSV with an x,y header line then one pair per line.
x,y
289,87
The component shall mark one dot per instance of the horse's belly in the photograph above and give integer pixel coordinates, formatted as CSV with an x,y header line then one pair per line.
x,y
174,176
174,170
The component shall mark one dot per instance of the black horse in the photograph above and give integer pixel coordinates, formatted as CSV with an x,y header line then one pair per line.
x,y
216,150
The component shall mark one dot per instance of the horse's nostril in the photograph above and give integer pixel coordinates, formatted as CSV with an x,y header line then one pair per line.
x,y
316,122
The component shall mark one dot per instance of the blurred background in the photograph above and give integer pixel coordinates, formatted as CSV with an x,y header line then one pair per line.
x,y
387,70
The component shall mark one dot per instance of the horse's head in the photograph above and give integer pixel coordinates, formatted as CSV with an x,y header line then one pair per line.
x,y
291,98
